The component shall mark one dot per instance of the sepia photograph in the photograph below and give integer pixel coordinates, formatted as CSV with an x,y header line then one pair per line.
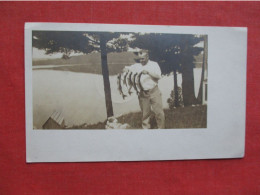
x,y
119,80
115,92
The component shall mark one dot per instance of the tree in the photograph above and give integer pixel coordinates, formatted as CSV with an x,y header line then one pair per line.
x,y
187,53
67,42
174,53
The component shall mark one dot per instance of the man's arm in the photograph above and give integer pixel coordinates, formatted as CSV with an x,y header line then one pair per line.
x,y
154,71
152,74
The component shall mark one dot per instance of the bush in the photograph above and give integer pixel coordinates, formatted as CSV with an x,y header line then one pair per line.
x,y
171,100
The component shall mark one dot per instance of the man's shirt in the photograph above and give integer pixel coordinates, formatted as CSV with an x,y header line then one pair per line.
x,y
147,81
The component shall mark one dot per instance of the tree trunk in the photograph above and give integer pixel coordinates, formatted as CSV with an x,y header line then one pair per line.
x,y
176,100
105,73
188,86
200,96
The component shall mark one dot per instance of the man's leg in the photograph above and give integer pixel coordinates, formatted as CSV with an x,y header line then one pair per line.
x,y
156,102
145,106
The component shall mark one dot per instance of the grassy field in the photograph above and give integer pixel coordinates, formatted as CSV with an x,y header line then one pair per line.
x,y
184,117
89,68
90,63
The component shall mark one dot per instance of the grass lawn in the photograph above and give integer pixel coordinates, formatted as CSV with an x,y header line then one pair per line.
x,y
184,117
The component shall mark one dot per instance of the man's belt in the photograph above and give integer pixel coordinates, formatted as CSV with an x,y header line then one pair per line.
x,y
150,90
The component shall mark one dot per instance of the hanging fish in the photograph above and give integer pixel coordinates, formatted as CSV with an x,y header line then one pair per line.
x,y
124,82
125,75
139,82
132,78
136,84
129,83
119,84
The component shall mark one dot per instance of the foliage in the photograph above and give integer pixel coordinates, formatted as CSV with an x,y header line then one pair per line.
x,y
67,42
63,41
162,49
171,51
171,100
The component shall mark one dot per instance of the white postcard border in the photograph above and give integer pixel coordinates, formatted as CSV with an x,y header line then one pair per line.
x,y
224,136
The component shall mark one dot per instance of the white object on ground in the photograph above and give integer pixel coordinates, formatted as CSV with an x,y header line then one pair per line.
x,y
112,123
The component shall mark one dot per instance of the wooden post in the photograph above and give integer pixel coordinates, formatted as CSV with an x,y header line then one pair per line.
x,y
204,65
205,71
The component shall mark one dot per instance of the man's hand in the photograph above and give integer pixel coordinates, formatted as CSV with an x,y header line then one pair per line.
x,y
145,72
154,76
125,69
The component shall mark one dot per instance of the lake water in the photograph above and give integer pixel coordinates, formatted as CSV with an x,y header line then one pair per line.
x,y
80,96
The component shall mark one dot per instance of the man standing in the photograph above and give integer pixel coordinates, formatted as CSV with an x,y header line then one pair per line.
x,y
150,98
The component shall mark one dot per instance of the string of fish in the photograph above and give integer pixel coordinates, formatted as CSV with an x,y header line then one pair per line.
x,y
129,80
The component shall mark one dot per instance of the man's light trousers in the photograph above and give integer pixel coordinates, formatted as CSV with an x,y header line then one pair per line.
x,y
152,101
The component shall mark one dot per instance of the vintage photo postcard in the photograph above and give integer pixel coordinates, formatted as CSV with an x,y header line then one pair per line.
x,y
112,92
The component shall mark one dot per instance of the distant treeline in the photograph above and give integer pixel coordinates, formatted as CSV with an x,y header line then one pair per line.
x,y
91,63
92,58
